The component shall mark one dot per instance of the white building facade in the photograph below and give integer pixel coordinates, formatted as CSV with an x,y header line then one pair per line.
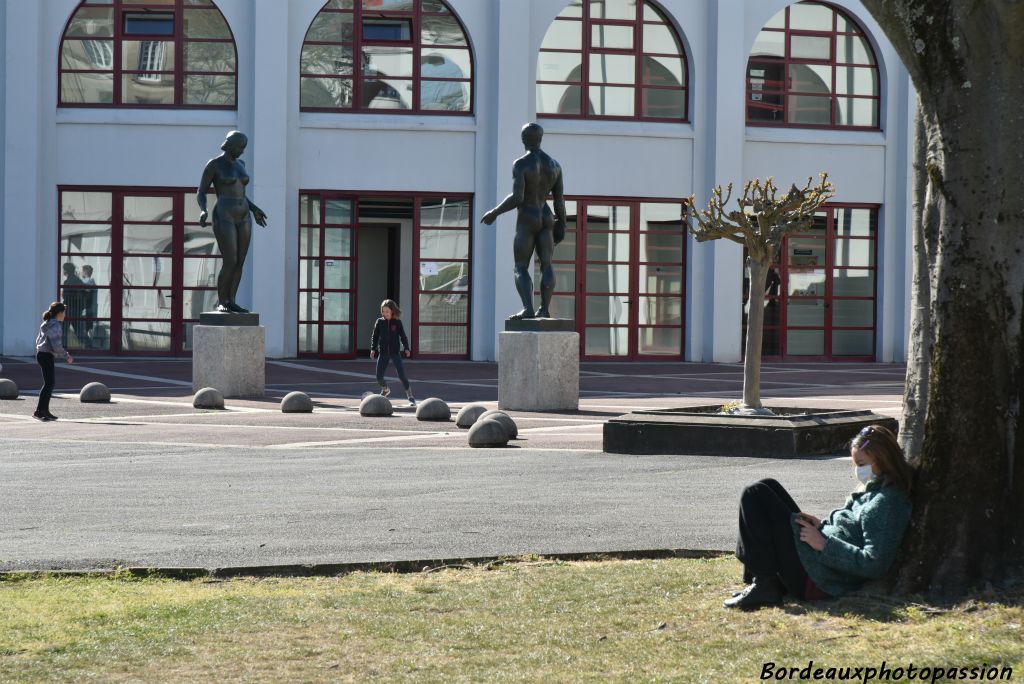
x,y
374,171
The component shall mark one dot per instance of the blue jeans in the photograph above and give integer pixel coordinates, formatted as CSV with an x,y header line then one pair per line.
x,y
382,365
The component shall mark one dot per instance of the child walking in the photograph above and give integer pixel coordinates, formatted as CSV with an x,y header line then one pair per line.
x,y
49,344
389,343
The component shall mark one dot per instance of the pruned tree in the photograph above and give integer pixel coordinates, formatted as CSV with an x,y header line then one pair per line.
x,y
759,223
965,370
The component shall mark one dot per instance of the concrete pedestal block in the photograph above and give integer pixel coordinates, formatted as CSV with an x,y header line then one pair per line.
x,y
229,358
539,371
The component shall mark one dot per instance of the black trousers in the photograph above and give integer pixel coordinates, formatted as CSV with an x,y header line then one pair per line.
x,y
45,361
766,545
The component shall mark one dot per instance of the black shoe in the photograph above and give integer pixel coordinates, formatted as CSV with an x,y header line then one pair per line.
x,y
50,416
764,592
43,418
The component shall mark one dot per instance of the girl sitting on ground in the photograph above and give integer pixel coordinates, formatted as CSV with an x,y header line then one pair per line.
x,y
785,551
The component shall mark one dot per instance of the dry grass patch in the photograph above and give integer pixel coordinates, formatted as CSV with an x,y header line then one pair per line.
x,y
610,621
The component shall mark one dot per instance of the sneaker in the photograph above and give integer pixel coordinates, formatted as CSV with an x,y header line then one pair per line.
x,y
412,401
41,417
50,416
385,391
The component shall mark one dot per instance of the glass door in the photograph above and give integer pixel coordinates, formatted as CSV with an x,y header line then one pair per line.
x,y
327,247
150,277
820,293
631,295
609,293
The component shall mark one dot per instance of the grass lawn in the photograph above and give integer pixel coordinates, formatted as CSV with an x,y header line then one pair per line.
x,y
532,621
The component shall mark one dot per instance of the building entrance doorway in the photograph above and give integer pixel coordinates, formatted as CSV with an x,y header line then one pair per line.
x,y
355,250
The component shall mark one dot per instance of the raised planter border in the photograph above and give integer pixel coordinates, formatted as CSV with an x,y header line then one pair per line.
x,y
701,430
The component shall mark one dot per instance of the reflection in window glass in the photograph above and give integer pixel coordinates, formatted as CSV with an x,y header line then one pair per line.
x,y
450,340
606,341
805,342
850,313
444,212
400,59
145,336
309,338
853,343
641,47
151,53
795,77
85,206
337,339
660,341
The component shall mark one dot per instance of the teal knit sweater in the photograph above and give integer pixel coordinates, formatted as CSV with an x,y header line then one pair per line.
x,y
861,539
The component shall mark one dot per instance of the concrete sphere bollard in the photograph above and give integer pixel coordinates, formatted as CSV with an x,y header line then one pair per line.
x,y
94,393
488,433
375,405
296,402
208,398
469,414
8,389
433,409
503,418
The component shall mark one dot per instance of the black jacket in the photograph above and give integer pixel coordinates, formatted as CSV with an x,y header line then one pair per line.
x,y
388,337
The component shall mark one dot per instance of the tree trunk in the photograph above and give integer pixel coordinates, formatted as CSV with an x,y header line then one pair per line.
x,y
758,273
966,59
925,234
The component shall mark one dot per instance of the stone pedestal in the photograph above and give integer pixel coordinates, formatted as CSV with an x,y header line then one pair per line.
x,y
538,371
229,355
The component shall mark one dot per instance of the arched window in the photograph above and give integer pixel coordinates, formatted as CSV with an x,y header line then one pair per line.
x,y
812,66
413,56
148,53
622,57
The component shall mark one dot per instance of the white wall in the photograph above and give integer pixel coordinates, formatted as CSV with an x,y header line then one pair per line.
x,y
290,151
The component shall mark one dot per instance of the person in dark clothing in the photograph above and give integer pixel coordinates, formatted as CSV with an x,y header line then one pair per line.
x,y
74,300
49,344
389,343
786,551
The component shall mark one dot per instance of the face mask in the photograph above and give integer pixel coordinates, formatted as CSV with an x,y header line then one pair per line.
x,y
864,473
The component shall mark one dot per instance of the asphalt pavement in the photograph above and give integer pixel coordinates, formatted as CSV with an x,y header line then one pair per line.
x,y
147,481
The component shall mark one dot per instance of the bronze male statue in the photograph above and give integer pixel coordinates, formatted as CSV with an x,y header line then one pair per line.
x,y
535,175
232,225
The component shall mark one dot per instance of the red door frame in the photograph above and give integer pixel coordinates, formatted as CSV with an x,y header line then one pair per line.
x,y
417,199
830,267
116,255
634,295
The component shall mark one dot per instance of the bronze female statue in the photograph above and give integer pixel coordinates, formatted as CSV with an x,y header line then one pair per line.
x,y
232,224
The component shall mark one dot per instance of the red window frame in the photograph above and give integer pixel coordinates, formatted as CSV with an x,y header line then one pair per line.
x,y
579,229
784,89
118,10
360,10
782,298
411,309
644,11
180,221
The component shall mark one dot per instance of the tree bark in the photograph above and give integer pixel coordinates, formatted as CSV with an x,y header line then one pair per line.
x,y
758,273
966,59
924,237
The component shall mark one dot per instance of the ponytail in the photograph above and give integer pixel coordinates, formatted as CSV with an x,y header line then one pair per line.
x,y
55,308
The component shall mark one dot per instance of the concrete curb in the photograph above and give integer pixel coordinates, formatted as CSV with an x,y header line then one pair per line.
x,y
332,569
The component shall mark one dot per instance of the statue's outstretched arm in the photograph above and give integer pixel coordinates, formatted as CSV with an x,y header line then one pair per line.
x,y
513,200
